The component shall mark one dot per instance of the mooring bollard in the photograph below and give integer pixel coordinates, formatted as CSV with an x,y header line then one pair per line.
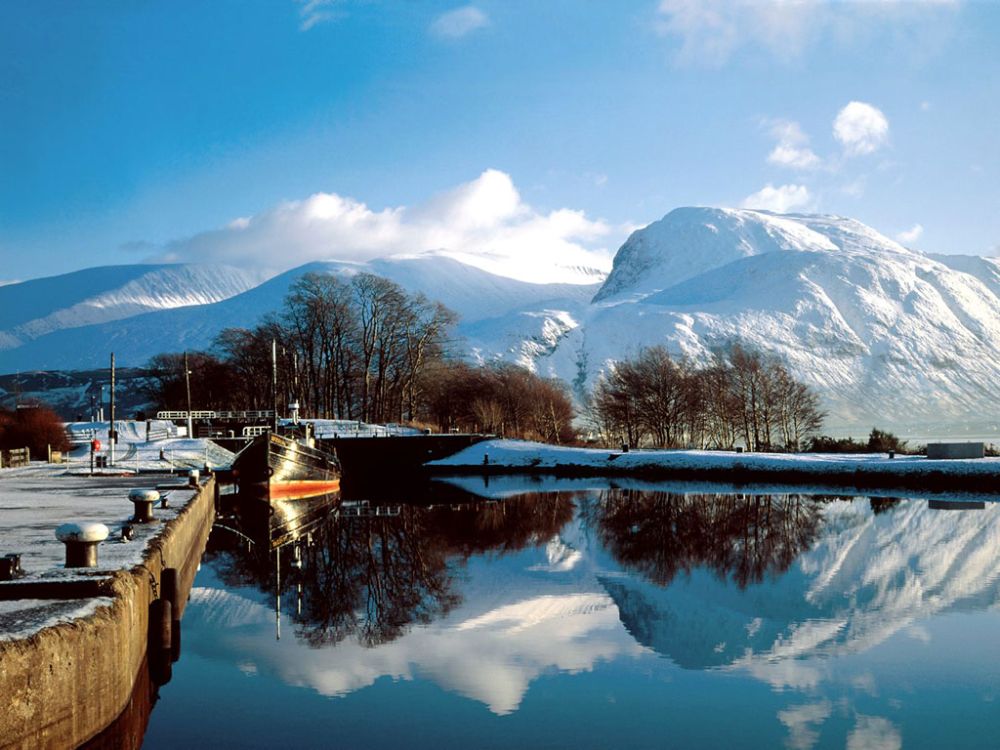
x,y
193,477
81,540
10,567
143,500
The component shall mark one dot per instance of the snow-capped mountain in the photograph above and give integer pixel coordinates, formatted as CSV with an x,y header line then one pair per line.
x,y
480,298
882,332
32,309
886,334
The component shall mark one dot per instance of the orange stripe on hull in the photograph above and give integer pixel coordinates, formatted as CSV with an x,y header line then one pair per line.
x,y
301,488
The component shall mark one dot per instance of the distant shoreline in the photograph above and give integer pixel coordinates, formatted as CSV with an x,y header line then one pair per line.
x,y
857,471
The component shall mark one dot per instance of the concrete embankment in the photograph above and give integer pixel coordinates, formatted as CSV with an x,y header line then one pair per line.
x,y
875,471
64,684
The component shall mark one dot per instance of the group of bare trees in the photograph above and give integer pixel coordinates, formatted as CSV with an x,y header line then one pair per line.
x,y
346,349
363,349
503,399
741,397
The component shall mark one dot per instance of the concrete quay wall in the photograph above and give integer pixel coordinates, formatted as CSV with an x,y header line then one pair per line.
x,y
65,684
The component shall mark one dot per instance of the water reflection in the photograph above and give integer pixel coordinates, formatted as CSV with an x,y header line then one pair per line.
x,y
742,537
486,598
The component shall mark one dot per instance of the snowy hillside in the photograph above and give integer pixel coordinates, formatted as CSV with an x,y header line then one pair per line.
x,y
477,296
886,334
38,307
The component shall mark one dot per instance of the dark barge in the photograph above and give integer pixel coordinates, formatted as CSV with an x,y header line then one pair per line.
x,y
394,459
284,486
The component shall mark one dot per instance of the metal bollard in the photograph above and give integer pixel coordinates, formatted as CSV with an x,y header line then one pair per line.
x,y
143,500
10,567
81,540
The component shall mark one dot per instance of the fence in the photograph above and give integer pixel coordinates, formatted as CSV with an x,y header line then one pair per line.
x,y
15,457
237,415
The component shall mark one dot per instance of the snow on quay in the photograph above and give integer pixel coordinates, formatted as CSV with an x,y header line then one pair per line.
x,y
877,470
34,503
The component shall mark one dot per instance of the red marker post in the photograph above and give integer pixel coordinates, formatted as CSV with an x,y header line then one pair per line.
x,y
95,446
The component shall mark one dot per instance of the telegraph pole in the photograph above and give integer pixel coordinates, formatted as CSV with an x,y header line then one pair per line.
x,y
187,385
274,383
112,433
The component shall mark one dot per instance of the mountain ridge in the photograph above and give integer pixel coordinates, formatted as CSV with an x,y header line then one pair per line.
x,y
884,333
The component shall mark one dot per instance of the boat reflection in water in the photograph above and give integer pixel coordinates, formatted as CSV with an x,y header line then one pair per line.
x,y
370,570
283,487
589,615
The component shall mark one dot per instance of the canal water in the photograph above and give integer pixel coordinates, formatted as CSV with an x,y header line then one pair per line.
x,y
520,614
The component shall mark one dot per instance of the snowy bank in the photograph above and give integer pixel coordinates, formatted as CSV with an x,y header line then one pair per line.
x,y
854,470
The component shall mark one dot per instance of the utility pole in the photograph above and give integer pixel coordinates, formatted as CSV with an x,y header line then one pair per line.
x,y
112,433
274,383
187,385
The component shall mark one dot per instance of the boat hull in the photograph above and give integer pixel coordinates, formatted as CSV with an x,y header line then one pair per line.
x,y
285,487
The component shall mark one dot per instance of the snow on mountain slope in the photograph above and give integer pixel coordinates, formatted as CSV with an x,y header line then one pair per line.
x,y
34,308
884,333
472,293
690,241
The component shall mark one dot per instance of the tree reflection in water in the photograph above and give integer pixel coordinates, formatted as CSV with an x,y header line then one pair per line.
x,y
372,576
745,537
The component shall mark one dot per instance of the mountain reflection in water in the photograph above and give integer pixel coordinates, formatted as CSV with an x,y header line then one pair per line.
x,y
485,597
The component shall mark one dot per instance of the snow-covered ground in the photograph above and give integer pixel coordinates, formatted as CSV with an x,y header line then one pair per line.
x,y
163,453
32,506
348,428
517,454
34,503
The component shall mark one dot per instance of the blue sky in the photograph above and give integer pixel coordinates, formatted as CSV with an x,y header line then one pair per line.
x,y
227,131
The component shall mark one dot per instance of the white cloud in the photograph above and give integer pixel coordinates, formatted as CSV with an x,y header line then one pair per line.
x,y
459,22
911,235
803,723
792,148
710,32
861,128
314,12
874,733
855,188
484,223
781,199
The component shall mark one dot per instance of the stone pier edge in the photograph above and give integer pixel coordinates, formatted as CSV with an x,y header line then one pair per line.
x,y
63,685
